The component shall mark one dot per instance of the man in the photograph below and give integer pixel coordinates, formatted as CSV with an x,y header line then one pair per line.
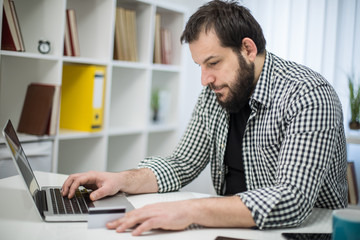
x,y
271,129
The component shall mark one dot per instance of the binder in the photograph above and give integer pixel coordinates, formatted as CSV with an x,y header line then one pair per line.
x,y
39,115
82,97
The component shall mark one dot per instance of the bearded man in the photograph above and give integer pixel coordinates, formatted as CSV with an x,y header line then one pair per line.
x,y
271,129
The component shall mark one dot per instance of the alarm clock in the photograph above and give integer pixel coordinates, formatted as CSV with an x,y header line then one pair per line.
x,y
44,47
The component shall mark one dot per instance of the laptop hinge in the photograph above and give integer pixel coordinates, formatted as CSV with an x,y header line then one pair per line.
x,y
40,200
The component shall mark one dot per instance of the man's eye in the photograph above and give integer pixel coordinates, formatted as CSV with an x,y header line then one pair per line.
x,y
213,63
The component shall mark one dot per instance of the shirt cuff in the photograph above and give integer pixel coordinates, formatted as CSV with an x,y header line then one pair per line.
x,y
260,205
166,177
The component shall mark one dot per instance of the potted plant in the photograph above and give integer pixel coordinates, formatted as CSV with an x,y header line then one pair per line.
x,y
354,103
155,104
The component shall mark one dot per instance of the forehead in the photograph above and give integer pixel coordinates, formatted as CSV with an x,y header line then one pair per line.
x,y
207,45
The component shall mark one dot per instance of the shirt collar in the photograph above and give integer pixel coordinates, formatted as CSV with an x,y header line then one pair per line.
x,y
263,90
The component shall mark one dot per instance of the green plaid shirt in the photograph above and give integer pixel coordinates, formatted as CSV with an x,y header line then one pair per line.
x,y
294,147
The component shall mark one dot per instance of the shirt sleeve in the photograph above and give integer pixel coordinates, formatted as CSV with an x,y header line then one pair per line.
x,y
312,133
188,159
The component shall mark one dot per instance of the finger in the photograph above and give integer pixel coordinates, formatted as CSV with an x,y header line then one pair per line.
x,y
130,220
115,224
74,186
66,185
144,227
97,194
77,181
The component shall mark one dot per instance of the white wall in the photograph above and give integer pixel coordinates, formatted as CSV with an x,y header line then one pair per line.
x,y
321,34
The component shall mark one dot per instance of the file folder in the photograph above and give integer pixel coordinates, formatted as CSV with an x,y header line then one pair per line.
x,y
40,112
82,98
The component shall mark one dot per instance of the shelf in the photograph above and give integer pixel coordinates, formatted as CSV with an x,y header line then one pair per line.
x,y
128,98
158,127
65,134
161,143
113,132
166,68
173,21
41,20
353,137
132,65
128,134
83,60
95,27
30,138
125,152
80,155
29,55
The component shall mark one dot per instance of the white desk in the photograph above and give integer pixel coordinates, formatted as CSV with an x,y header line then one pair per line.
x,y
19,219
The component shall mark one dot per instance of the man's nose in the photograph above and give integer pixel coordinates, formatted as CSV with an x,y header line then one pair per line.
x,y
206,77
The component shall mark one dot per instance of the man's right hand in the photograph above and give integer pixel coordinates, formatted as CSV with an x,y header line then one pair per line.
x,y
102,183
106,183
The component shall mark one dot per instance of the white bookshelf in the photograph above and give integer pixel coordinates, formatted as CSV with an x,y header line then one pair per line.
x,y
128,133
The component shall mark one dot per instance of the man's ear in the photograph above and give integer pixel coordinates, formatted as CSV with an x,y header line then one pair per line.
x,y
248,49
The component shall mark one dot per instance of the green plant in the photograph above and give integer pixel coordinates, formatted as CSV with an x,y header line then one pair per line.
x,y
155,104
155,100
354,100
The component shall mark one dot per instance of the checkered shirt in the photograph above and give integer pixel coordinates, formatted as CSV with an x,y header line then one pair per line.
x,y
294,147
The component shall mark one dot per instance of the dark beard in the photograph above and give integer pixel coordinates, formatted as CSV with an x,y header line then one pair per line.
x,y
241,91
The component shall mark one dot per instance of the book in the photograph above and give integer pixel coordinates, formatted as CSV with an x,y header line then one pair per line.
x,y
120,35
17,26
7,41
67,43
12,39
125,42
82,97
55,112
166,46
352,184
157,40
39,115
162,43
72,45
131,29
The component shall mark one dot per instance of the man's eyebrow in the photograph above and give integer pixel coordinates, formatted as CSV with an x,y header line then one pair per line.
x,y
206,59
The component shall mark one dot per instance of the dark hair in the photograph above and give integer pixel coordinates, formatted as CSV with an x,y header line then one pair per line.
x,y
231,22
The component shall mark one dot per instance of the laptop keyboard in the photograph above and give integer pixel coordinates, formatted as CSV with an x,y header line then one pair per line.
x,y
76,205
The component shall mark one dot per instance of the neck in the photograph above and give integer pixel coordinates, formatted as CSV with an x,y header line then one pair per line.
x,y
259,64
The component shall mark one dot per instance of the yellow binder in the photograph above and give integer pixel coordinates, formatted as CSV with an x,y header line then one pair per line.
x,y
82,97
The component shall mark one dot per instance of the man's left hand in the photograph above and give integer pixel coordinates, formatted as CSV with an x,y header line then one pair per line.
x,y
167,216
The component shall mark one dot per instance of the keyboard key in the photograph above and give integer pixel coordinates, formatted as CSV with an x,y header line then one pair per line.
x,y
63,205
53,201
59,201
75,205
68,206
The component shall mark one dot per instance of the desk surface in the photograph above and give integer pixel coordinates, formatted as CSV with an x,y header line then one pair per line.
x,y
19,219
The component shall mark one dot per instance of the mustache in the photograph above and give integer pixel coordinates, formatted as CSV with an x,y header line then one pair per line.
x,y
213,87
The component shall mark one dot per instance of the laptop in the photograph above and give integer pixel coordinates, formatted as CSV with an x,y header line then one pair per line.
x,y
48,200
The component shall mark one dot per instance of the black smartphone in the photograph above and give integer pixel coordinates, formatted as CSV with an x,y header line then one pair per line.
x,y
227,238
307,236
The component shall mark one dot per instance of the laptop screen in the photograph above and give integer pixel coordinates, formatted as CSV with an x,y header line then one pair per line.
x,y
20,158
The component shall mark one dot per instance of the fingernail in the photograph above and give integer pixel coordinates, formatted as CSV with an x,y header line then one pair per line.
x,y
93,196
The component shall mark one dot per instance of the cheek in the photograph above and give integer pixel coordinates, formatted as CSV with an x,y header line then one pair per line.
x,y
231,72
232,78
